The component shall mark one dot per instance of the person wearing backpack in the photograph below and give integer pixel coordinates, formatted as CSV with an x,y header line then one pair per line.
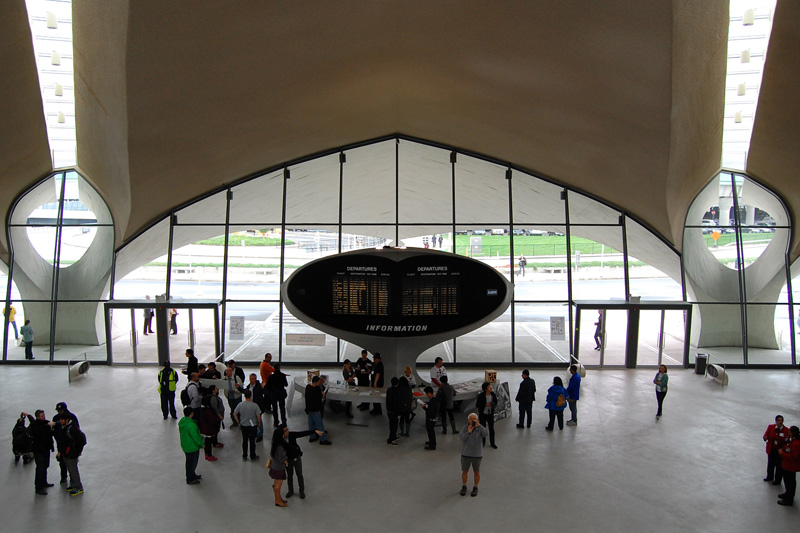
x,y
167,383
556,402
486,403
74,440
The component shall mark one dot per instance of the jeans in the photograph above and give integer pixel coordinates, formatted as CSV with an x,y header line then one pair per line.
x,y
42,460
74,474
393,420
660,397
315,423
249,439
553,415
405,423
430,425
295,466
573,409
28,349
487,421
191,465
525,409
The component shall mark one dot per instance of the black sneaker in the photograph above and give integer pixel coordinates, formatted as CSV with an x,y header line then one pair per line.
x,y
325,442
474,491
41,492
463,490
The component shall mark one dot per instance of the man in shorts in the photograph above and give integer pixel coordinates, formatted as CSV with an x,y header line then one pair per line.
x,y
473,436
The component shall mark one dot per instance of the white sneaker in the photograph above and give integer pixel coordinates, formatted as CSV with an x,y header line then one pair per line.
x,y
571,423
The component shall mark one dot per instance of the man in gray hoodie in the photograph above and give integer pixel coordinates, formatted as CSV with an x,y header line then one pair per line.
x,y
473,436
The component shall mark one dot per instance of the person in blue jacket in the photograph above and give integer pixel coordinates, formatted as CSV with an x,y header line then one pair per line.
x,y
573,394
556,402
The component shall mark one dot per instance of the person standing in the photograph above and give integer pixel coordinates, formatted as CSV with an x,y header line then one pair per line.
x,y
167,383
405,405
661,380
233,392
11,313
210,420
437,371
294,464
314,398
42,437
276,391
173,321
775,436
473,435
74,441
191,442
377,381
790,461
266,369
349,377
259,398
147,314
447,393
248,415
58,434
193,390
522,262
432,408
363,372
526,395
393,411
573,395
486,403
556,402
278,460
27,338
191,365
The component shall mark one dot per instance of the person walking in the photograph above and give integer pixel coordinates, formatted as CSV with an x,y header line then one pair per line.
x,y
526,395
147,315
573,395
661,380
556,403
790,461
248,415
173,321
191,442
42,439
473,436
10,312
775,436
167,383
598,330
522,262
27,338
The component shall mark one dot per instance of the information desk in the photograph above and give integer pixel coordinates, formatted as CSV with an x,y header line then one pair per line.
x,y
466,392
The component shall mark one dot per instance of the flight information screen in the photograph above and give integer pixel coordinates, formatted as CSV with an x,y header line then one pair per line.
x,y
429,297
358,295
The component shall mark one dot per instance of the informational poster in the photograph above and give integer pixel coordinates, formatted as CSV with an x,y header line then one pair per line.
x,y
236,328
558,328
503,408
305,339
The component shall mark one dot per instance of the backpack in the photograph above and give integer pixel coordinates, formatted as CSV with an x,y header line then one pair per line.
x,y
561,401
185,398
78,440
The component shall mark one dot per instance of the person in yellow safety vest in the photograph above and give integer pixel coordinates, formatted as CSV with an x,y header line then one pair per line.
x,y
167,383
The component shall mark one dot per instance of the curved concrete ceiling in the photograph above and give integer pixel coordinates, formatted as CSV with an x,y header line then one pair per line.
x,y
24,152
620,99
774,157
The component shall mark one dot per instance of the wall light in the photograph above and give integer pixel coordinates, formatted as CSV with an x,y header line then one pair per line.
x,y
52,21
745,56
61,118
737,118
740,90
59,89
749,17
55,58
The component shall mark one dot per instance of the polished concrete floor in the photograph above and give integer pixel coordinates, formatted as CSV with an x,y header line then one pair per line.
x,y
698,469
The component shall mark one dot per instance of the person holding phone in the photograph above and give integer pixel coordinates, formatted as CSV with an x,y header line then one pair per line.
x,y
473,436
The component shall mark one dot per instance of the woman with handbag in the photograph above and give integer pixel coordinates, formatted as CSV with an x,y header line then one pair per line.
x,y
556,402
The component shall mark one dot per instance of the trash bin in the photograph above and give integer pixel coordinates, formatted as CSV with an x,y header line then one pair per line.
x,y
700,363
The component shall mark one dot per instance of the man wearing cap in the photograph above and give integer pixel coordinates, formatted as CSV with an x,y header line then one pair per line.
x,y
73,441
61,409
377,381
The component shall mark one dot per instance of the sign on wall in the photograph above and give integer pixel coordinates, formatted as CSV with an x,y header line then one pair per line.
x,y
236,328
558,328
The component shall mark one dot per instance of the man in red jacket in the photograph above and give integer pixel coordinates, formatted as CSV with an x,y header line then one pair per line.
x,y
790,462
775,436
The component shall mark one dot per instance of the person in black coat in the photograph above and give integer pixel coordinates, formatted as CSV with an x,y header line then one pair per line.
x,y
393,411
525,397
405,405
486,403
276,391
61,409
432,408
42,440
257,391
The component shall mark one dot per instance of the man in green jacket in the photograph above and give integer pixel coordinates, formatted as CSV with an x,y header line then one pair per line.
x,y
191,442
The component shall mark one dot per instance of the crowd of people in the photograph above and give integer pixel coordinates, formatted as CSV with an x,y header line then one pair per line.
x,y
783,458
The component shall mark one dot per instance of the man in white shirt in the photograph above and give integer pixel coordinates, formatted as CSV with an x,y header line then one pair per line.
x,y
438,371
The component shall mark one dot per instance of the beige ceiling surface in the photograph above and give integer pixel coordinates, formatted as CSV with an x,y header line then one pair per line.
x,y
620,99
24,151
774,157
